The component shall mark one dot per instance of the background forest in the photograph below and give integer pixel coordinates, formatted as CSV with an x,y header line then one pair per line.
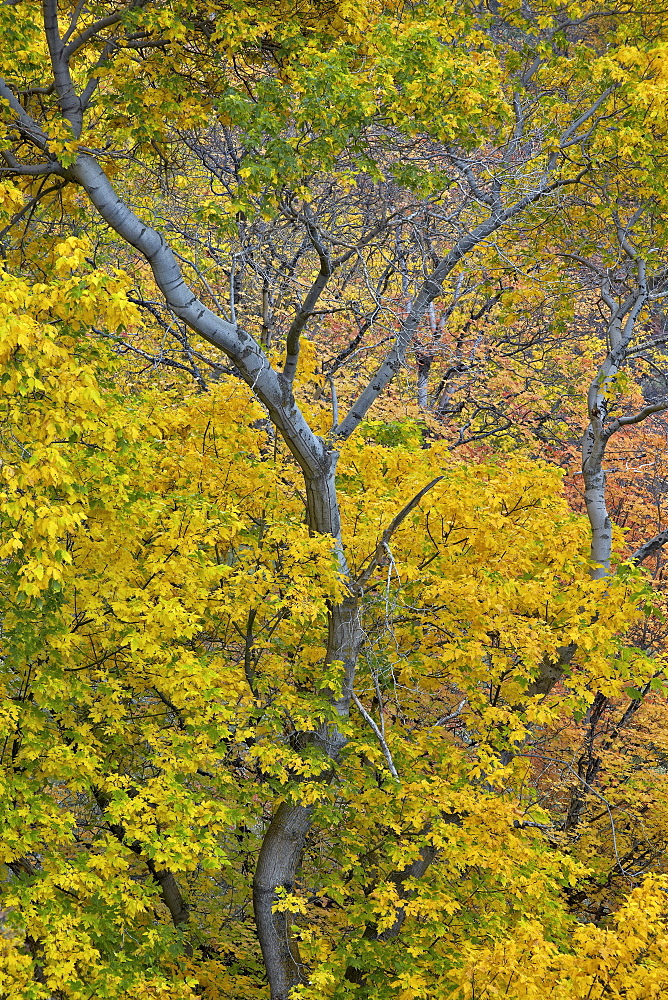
x,y
333,468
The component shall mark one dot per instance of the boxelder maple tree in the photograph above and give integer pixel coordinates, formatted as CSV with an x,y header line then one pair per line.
x,y
260,643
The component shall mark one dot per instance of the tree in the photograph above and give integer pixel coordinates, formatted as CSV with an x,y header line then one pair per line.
x,y
319,98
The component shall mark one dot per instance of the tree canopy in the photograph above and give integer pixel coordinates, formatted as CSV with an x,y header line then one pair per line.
x,y
331,501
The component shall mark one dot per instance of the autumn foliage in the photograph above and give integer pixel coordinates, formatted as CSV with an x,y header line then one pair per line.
x,y
331,502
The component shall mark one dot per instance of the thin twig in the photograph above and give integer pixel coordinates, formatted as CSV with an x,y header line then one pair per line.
x,y
383,745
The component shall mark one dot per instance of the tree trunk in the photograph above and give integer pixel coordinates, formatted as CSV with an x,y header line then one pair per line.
x,y
424,360
593,454
282,847
594,443
276,869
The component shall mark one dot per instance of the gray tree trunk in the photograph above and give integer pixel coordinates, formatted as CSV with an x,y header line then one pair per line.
x,y
620,331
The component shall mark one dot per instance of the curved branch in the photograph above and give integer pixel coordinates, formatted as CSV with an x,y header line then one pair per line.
x,y
92,30
26,125
391,528
309,303
636,418
650,547
271,387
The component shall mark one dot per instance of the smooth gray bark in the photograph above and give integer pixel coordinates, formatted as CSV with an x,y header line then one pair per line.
x,y
271,387
276,868
620,330
650,547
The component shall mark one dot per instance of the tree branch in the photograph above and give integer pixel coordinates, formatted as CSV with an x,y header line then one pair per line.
x,y
42,193
67,96
309,303
94,29
272,389
389,531
27,126
431,288
650,547
637,418
379,736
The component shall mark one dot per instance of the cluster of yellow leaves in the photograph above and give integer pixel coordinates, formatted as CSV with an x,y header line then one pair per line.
x,y
164,607
138,537
627,959
164,643
50,399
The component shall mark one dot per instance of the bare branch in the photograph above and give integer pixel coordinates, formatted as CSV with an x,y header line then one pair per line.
x,y
238,345
201,277
42,193
638,417
431,288
649,548
379,736
391,528
309,303
74,20
476,190
585,116
26,125
95,29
